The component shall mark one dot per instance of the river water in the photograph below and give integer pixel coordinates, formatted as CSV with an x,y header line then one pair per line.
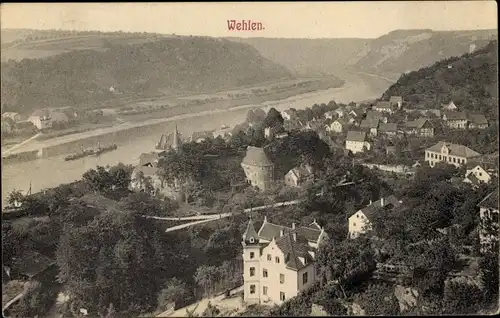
x,y
50,172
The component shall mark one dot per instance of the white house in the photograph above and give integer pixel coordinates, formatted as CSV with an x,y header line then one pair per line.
x,y
279,261
41,119
339,125
329,115
339,112
356,141
14,116
359,222
299,176
383,107
396,101
450,106
454,154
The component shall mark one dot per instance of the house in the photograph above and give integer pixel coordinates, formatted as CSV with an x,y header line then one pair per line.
x,y
359,222
370,125
354,113
299,176
389,129
330,115
383,107
334,147
455,119
396,102
41,119
145,176
8,125
289,114
482,169
454,154
421,127
58,117
339,125
449,107
390,150
259,170
426,112
279,262
356,141
488,226
339,112
374,115
477,121
170,141
15,117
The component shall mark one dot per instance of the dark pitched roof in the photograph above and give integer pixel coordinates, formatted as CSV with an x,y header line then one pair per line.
x,y
389,127
146,170
293,249
270,230
256,157
383,104
396,99
451,115
310,234
455,150
369,123
389,202
356,135
250,232
478,119
487,162
147,158
372,114
342,121
302,171
490,201
473,179
419,123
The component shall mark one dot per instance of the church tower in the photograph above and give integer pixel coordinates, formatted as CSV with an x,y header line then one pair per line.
x,y
251,264
170,141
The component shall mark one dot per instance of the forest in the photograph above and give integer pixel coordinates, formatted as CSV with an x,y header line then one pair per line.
x,y
470,81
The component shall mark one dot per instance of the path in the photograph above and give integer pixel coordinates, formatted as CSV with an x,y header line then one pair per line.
x,y
200,219
6,152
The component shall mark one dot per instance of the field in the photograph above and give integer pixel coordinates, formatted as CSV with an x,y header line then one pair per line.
x,y
42,48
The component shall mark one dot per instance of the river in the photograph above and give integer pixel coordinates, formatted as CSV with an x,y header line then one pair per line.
x,y
50,172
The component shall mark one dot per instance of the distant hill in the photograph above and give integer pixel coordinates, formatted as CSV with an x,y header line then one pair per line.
x,y
469,80
389,55
186,64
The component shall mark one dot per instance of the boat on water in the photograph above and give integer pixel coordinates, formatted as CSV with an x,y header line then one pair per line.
x,y
91,152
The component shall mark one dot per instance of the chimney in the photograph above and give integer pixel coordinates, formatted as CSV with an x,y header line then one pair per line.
x,y
294,235
293,226
282,232
370,202
382,202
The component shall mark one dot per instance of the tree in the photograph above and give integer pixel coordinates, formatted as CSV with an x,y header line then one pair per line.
x,y
15,198
143,204
461,298
488,266
273,120
207,278
378,300
174,291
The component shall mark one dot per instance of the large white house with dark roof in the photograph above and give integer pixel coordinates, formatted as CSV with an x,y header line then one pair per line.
x,y
356,141
454,154
279,261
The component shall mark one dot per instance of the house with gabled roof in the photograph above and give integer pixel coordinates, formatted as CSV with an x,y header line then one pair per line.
x,y
279,261
456,119
482,169
356,141
339,125
374,115
299,176
383,107
454,154
477,121
371,125
420,127
359,222
396,102
449,107
389,129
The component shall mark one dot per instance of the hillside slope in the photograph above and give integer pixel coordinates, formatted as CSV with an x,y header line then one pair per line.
x,y
176,64
389,55
470,81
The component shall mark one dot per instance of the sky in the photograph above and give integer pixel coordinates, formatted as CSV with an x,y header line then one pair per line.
x,y
279,19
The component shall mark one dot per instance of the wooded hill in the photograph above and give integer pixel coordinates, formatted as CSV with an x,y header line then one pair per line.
x,y
469,80
176,64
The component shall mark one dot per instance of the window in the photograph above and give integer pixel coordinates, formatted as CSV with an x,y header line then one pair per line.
x,y
480,174
269,257
252,271
304,278
282,296
252,255
264,290
454,160
277,259
357,215
252,289
282,279
353,223
264,273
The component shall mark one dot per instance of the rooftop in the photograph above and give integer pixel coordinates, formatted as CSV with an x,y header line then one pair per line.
x,y
418,123
383,104
490,201
389,127
356,136
455,150
388,203
256,157
451,115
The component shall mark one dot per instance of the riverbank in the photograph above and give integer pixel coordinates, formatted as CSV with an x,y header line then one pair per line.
x,y
50,172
